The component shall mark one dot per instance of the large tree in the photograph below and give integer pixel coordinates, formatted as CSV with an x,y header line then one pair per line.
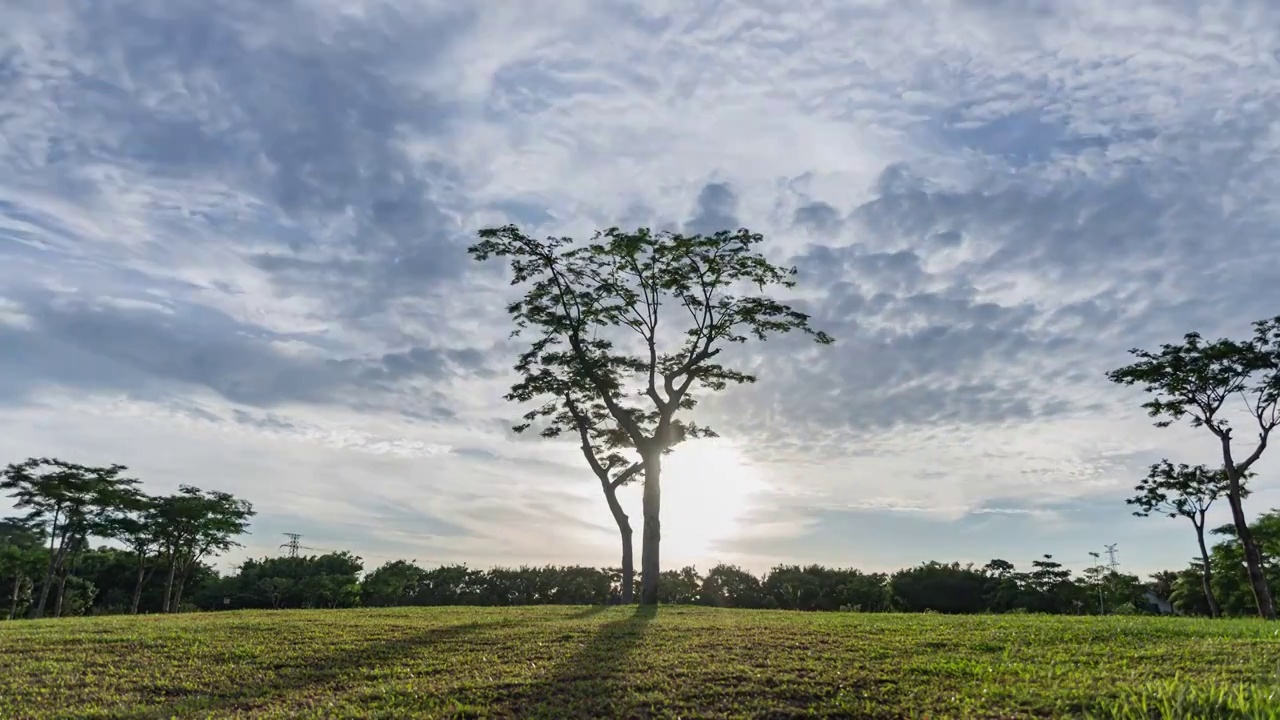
x,y
70,503
1195,379
1189,492
640,319
191,525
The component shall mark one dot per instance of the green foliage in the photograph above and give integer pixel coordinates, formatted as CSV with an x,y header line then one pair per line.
x,y
67,504
575,294
195,523
1180,491
940,587
317,581
1195,379
1231,579
617,662
395,583
78,596
607,362
731,586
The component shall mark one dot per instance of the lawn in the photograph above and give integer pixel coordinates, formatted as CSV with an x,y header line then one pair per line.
x,y
592,662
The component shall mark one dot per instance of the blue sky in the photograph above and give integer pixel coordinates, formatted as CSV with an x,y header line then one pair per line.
x,y
232,254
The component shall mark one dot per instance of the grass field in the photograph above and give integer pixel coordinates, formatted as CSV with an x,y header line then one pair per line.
x,y
680,662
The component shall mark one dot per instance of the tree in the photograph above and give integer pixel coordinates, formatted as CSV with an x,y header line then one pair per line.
x,y
1004,585
70,502
1195,379
939,587
191,525
597,312
135,523
1049,586
395,583
731,586
1095,577
1184,491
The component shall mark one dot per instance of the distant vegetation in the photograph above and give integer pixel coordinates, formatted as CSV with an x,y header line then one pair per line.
x,y
103,580
45,557
672,662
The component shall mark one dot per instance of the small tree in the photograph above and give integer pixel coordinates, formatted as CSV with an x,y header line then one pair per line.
x,y
192,525
1188,492
1195,379
70,502
679,299
1095,577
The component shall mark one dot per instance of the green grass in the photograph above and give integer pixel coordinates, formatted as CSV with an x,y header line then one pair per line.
x,y
682,662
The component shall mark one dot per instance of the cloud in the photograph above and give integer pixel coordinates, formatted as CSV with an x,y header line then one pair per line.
x,y
249,222
716,206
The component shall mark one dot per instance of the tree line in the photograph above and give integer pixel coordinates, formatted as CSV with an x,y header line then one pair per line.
x,y
627,332
45,555
105,581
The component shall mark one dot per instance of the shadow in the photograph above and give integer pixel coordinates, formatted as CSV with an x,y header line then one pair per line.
x,y
589,612
317,672
594,682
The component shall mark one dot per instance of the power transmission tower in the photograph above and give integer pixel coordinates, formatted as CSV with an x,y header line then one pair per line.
x,y
1111,557
292,544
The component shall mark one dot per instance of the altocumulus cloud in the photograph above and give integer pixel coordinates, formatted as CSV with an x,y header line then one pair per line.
x,y
232,251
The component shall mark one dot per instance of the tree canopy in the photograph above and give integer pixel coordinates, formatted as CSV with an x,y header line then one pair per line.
x,y
634,324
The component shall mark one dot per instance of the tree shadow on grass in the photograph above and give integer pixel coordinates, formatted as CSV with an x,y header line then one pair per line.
x,y
592,682
589,683
327,672
588,612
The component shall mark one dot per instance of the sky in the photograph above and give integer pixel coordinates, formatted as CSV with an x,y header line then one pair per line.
x,y
233,234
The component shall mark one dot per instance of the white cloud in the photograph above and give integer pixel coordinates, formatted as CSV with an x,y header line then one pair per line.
x,y
232,232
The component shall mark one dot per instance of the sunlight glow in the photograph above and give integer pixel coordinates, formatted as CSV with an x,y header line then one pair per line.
x,y
708,489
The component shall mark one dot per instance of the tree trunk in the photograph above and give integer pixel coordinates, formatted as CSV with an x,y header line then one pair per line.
x,y
13,603
62,591
1206,573
37,609
168,587
624,530
137,587
628,565
1252,556
649,564
177,595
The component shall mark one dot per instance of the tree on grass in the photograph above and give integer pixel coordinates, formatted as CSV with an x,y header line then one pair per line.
x,y
1184,491
1195,379
637,320
191,525
69,502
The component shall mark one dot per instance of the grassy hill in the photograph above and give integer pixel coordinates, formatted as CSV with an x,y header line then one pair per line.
x,y
592,662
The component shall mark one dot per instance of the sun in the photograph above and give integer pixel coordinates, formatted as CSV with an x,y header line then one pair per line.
x,y
708,489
